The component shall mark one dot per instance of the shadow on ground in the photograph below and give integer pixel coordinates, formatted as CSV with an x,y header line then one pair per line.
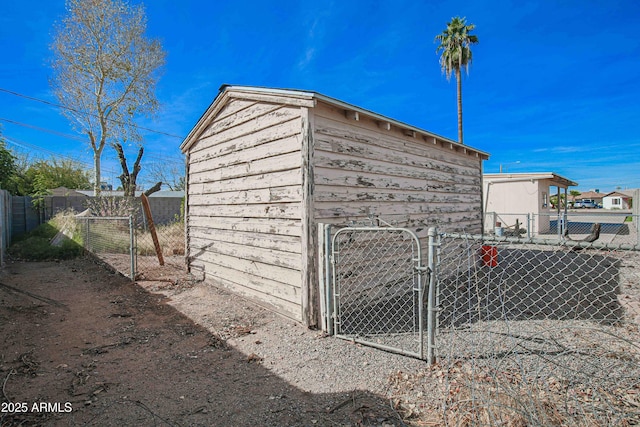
x,y
77,337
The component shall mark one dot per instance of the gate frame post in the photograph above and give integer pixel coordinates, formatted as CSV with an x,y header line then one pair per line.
x,y
417,289
325,277
431,298
132,248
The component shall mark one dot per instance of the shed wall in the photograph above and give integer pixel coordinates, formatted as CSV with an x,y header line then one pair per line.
x,y
245,201
364,168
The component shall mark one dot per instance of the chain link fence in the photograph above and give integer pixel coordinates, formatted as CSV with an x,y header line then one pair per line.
x,y
537,331
611,227
520,329
163,260
112,239
127,244
377,292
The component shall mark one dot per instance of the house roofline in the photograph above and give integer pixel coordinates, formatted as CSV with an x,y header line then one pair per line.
x,y
527,176
310,99
618,193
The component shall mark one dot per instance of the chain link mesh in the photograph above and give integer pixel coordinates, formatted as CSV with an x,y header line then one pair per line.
x,y
613,228
376,287
115,240
538,331
171,244
108,238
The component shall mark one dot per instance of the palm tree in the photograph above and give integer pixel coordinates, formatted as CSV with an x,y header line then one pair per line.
x,y
455,44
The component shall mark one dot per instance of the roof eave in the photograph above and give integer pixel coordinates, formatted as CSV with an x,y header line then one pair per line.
x,y
309,99
527,176
403,126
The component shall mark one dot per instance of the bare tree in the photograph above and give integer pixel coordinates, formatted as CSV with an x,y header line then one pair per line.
x,y
171,174
128,179
105,72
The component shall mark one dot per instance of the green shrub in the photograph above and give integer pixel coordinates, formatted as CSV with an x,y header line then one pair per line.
x,y
45,231
35,248
36,245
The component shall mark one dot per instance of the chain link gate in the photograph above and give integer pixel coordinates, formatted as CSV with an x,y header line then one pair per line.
x,y
378,288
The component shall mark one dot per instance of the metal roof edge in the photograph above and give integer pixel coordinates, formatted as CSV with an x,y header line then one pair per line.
x,y
225,89
397,123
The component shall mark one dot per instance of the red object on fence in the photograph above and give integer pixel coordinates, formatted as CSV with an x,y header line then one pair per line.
x,y
490,256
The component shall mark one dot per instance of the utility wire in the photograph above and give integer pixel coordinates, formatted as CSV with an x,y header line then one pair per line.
x,y
53,132
29,146
78,138
26,145
83,112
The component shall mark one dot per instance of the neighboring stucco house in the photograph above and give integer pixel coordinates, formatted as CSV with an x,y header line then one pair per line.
x,y
513,196
266,166
617,200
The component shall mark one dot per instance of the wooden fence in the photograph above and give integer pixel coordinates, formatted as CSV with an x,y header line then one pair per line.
x,y
5,223
24,217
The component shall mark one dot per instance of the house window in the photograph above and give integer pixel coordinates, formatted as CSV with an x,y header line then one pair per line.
x,y
615,201
545,200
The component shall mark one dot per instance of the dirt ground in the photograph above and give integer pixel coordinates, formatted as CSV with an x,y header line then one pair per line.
x,y
80,345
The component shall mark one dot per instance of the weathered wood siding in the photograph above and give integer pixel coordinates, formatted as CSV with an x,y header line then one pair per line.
x,y
364,168
245,203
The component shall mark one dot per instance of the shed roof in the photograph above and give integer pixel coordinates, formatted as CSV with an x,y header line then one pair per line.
x,y
529,176
308,99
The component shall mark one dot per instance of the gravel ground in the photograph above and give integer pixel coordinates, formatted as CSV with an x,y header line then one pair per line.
x,y
489,371
305,358
531,372
97,350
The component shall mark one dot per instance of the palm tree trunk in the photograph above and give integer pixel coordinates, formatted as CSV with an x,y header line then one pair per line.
x,y
459,81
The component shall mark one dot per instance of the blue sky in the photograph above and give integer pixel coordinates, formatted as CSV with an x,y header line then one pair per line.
x,y
554,85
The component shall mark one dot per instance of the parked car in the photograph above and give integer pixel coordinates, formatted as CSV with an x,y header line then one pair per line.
x,y
585,203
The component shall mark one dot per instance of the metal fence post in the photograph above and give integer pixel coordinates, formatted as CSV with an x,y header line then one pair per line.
x,y
328,278
431,299
493,222
87,244
529,222
132,251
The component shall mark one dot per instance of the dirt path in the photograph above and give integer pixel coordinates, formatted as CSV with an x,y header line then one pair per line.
x,y
82,346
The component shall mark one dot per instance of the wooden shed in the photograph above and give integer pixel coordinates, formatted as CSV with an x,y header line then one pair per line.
x,y
266,166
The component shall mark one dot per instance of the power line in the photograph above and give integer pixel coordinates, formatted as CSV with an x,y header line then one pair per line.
x,y
53,132
108,174
29,146
78,138
83,112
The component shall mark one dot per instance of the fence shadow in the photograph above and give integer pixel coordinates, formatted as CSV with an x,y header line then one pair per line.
x,y
390,309
581,227
534,284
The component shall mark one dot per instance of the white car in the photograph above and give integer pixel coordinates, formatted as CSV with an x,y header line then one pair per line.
x,y
585,203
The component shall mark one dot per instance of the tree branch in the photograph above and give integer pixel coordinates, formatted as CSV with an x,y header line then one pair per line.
x,y
153,189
